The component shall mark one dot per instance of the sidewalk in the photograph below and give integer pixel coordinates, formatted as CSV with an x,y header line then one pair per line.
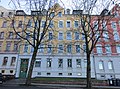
x,y
18,82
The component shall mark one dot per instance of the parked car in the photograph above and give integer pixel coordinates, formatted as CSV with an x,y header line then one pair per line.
x,y
1,78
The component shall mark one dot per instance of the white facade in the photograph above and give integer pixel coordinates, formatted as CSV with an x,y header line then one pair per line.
x,y
72,70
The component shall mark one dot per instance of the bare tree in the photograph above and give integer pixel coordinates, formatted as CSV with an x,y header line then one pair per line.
x,y
32,30
92,27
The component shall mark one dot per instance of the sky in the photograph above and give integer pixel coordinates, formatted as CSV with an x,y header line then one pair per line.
x,y
66,3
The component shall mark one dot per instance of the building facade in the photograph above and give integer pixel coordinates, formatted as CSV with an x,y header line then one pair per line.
x,y
67,59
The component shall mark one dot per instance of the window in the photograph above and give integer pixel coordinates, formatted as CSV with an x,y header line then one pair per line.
x,y
32,49
84,48
116,35
43,24
36,24
76,25
60,35
83,36
60,14
78,63
12,24
99,49
69,35
110,65
101,65
51,24
8,47
95,25
114,26
1,35
13,60
69,63
49,62
11,71
29,23
15,47
49,49
69,74
5,60
41,48
77,48
10,13
50,35
118,48
0,47
77,36
27,35
60,74
104,25
60,48
48,74
17,35
25,48
38,73
52,14
108,49
69,48
60,63
105,35
20,24
4,25
38,62
68,24
85,63
3,71
10,35
60,24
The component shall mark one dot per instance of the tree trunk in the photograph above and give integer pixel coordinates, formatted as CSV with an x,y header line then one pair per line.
x,y
89,83
30,69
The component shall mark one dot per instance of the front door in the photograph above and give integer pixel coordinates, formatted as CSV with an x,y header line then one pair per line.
x,y
23,68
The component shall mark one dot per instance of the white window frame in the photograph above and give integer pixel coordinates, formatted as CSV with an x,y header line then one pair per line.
x,y
59,25
67,24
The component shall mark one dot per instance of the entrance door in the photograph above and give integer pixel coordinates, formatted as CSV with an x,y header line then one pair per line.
x,y
23,68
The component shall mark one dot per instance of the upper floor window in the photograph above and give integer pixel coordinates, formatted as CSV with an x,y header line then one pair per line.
x,y
8,45
4,25
108,49
41,48
118,48
25,48
1,35
13,60
101,67
60,14
20,24
52,14
77,36
51,24
95,25
99,49
85,63
110,65
49,48
104,25
68,24
69,48
10,35
60,48
12,24
116,35
50,35
114,25
17,35
106,36
69,35
15,47
60,35
43,24
76,24
38,62
5,60
60,24
77,48
29,23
